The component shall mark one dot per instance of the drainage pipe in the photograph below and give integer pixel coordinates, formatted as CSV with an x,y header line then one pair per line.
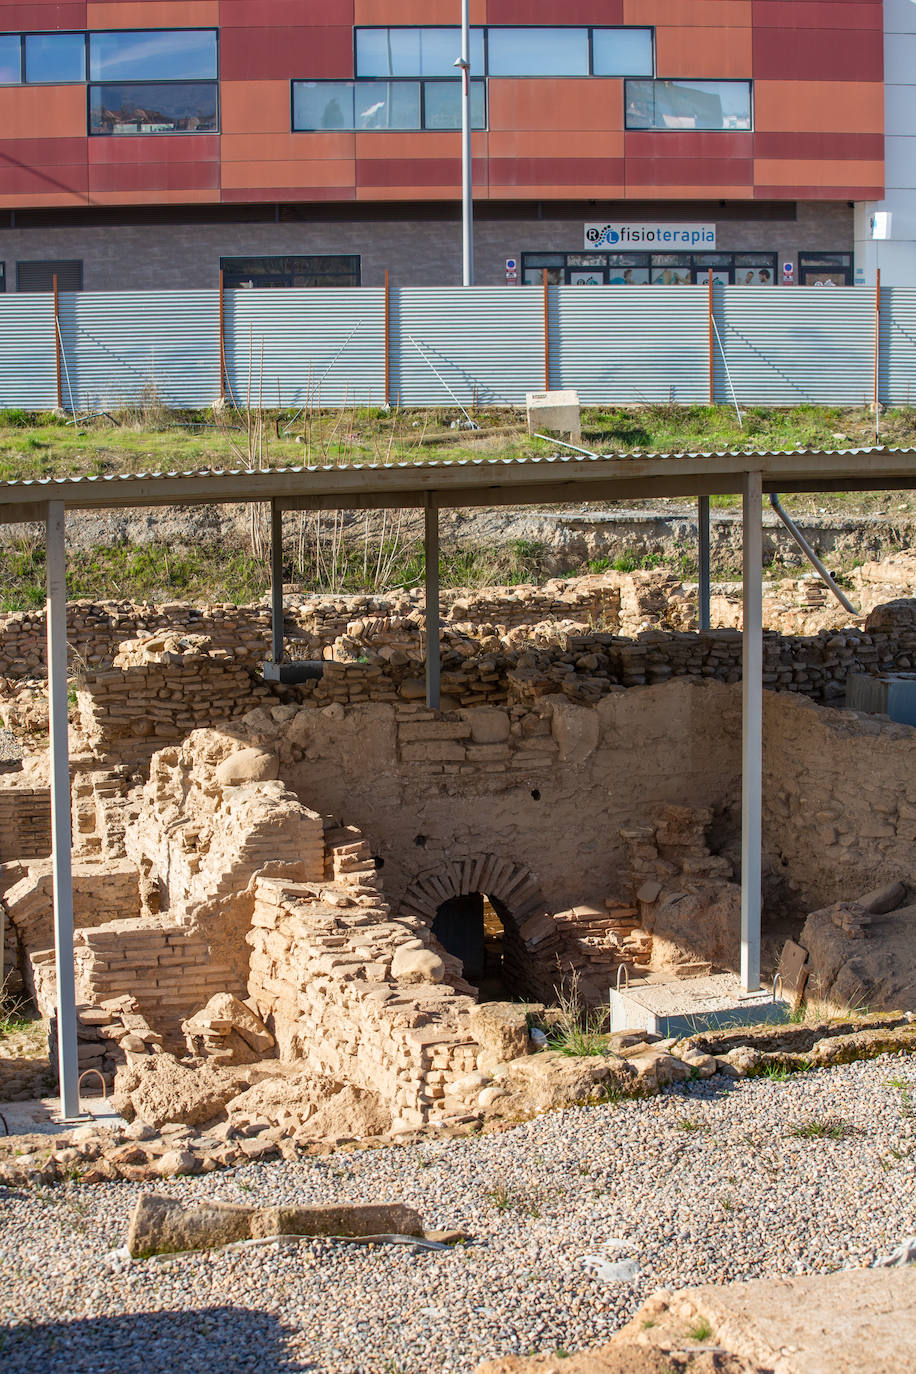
x,y
811,556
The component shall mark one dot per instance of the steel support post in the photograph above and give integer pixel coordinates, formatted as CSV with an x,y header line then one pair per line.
x,y
61,832
431,563
752,733
703,560
467,188
276,582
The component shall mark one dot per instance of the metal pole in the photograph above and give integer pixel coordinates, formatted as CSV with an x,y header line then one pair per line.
x,y
546,333
222,338
56,296
877,353
467,209
752,733
387,336
811,556
711,319
703,556
61,833
276,582
431,561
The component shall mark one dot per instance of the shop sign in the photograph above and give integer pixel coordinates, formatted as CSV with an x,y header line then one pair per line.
x,y
660,236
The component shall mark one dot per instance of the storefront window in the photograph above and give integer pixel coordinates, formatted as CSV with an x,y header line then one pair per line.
x,y
658,269
311,270
825,269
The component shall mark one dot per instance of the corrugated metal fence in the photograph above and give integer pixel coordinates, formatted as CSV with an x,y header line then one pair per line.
x,y
442,345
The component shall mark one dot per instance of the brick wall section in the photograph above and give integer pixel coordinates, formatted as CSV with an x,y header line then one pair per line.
x,y
321,978
25,823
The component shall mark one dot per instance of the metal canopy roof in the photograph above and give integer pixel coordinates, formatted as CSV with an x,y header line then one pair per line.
x,y
475,482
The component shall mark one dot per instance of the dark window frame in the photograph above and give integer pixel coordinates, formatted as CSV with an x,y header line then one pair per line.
x,y
55,33
485,28
2,276
420,81
685,81
355,259
158,133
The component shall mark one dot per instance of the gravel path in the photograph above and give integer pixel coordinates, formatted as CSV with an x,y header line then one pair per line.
x,y
705,1183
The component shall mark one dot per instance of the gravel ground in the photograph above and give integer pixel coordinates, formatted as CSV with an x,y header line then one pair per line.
x,y
706,1183
10,748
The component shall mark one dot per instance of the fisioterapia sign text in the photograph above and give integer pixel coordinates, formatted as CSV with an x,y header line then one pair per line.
x,y
666,237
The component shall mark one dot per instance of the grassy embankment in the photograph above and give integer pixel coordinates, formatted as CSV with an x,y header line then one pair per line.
x,y
152,439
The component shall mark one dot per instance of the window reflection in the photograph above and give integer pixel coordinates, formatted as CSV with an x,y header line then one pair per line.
x,y
55,57
688,104
622,52
403,105
414,52
158,55
10,59
537,52
151,108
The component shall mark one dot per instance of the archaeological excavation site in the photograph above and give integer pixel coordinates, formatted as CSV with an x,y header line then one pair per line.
x,y
403,979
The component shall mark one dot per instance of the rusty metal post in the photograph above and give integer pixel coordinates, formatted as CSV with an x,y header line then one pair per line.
x,y
877,351
711,326
60,394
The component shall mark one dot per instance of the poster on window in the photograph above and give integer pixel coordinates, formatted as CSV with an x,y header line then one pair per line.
x,y
719,276
629,276
754,276
586,277
671,276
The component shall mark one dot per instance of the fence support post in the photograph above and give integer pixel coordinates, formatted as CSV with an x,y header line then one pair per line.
x,y
60,394
752,732
387,337
546,334
711,327
222,341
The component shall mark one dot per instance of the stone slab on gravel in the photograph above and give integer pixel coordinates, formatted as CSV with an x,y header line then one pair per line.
x,y
162,1224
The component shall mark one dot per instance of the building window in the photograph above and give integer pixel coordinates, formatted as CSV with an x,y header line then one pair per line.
x,y
498,51
644,269
688,104
39,276
55,58
317,269
2,276
434,104
154,82
10,59
825,269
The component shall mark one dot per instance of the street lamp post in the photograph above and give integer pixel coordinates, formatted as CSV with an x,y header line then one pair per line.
x,y
467,221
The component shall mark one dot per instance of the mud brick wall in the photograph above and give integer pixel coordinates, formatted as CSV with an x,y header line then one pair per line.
x,y
168,969
321,978
25,823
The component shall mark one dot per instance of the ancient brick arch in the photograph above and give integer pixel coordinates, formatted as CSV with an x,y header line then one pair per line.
x,y
530,931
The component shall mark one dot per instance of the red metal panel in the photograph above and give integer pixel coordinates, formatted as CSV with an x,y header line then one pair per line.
x,y
430,171
153,149
823,145
257,13
819,14
253,54
41,152
819,54
71,14
819,193
670,143
291,194
161,176
550,12
40,180
699,171
554,171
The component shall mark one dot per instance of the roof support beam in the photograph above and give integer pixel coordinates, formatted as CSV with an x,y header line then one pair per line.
x,y
431,565
61,825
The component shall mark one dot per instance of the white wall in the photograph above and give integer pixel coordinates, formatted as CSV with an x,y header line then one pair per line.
x,y
896,255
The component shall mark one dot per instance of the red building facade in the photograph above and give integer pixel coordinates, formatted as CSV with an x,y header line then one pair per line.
x,y
217,114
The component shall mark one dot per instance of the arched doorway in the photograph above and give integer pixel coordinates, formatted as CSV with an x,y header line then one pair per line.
x,y
489,913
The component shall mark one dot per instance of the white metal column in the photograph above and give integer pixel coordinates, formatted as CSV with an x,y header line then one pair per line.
x,y
276,581
467,187
61,832
752,733
431,561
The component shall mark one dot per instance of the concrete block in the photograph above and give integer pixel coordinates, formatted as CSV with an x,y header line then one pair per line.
x,y
554,412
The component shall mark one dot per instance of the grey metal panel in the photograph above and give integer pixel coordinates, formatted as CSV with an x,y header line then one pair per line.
x,y
126,346
322,347
27,366
798,345
897,364
630,343
482,343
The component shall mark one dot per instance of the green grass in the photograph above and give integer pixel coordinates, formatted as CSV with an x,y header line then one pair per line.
x,y
820,1128
700,1331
